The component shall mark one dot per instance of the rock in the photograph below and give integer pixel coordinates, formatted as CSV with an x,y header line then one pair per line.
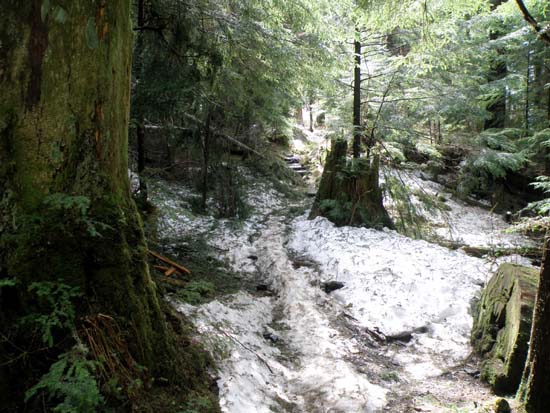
x,y
302,262
330,286
472,372
502,406
262,287
406,336
253,257
508,217
502,325
425,176
403,337
270,335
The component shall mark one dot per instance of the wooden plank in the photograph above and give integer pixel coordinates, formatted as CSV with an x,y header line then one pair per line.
x,y
170,271
169,261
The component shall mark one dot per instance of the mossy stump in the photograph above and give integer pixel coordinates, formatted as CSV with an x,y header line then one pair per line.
x,y
349,192
502,326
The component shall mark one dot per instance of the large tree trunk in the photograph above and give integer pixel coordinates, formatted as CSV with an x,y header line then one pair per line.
x,y
534,390
65,82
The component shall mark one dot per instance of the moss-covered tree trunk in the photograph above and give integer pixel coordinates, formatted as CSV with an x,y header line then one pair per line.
x,y
66,215
534,390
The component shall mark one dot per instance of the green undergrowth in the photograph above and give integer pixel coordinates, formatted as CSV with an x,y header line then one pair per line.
x,y
410,206
64,336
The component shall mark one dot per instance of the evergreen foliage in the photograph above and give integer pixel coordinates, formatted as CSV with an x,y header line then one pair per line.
x,y
71,381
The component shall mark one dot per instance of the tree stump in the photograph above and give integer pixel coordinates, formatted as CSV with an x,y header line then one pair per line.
x,y
349,192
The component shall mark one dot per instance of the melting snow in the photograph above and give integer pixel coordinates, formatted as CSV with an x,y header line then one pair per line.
x,y
287,351
398,285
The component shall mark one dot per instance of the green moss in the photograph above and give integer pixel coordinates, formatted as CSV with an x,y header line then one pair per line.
x,y
502,325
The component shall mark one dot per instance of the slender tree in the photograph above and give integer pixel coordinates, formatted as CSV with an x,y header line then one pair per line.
x,y
497,72
357,95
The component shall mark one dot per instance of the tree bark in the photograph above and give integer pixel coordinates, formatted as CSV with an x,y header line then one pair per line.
x,y
527,89
310,107
206,138
65,81
534,390
543,35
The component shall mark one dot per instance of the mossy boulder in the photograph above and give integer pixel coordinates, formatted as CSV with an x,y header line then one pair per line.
x,y
502,325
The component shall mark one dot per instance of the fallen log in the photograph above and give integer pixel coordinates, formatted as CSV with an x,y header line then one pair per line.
x,y
527,252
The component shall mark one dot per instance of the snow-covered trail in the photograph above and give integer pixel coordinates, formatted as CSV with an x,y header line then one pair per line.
x,y
285,350
290,347
287,346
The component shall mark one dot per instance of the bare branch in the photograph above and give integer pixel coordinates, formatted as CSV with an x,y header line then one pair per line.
x,y
543,33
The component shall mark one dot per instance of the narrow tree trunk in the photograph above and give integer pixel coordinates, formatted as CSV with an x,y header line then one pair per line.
x,y
357,96
65,82
140,132
527,86
310,107
534,390
206,135
497,71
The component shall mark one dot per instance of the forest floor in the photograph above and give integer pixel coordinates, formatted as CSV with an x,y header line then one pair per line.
x,y
394,338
